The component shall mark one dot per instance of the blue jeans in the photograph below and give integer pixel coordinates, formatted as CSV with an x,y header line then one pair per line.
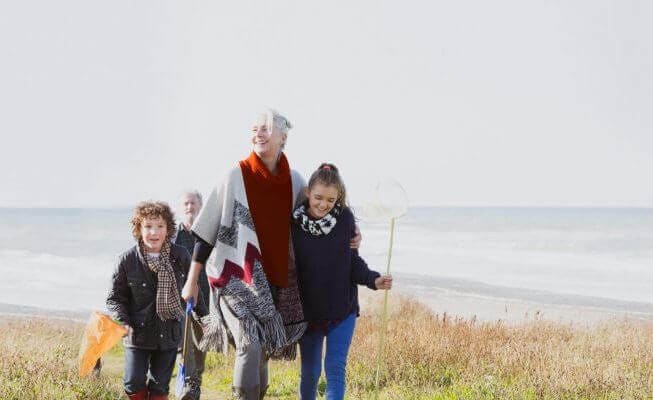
x,y
159,364
338,340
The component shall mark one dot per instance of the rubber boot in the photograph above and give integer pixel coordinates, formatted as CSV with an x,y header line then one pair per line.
x,y
140,395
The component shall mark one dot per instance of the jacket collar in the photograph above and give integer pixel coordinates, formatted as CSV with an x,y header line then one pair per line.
x,y
149,275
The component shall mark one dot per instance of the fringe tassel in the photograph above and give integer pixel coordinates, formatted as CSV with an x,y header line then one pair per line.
x,y
274,334
295,331
248,333
214,334
287,353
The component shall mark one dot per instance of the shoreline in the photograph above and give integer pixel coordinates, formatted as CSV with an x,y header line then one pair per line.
x,y
455,297
18,311
488,303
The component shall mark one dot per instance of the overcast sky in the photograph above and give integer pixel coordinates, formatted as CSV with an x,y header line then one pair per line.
x,y
469,103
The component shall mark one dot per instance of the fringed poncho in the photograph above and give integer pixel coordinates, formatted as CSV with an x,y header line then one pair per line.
x,y
237,277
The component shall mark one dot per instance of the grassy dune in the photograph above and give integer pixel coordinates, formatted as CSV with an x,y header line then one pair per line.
x,y
427,356
38,361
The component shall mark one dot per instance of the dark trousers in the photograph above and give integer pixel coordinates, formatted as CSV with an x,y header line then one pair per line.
x,y
149,369
194,362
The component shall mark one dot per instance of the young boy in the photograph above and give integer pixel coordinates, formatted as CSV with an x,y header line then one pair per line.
x,y
146,297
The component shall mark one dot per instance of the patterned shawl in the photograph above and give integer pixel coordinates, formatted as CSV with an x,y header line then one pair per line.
x,y
236,275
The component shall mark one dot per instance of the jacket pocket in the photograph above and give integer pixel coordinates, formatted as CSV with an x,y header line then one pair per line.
x,y
143,331
176,330
142,291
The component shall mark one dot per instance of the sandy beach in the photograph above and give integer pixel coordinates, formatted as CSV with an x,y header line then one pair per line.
x,y
12,311
488,303
466,299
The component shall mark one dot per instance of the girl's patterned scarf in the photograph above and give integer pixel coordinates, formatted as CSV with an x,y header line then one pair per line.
x,y
316,227
168,303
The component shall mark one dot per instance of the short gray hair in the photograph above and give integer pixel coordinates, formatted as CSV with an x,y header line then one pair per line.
x,y
195,193
273,117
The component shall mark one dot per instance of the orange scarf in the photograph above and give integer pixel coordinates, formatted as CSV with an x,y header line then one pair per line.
x,y
270,203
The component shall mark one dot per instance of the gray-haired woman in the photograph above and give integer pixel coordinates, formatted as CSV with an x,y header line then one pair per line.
x,y
254,296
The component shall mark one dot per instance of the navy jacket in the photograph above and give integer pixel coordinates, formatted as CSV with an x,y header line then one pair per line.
x,y
132,299
328,271
187,240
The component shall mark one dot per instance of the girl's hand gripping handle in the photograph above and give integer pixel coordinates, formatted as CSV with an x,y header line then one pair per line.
x,y
383,282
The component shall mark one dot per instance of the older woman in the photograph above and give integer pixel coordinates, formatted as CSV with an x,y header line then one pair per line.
x,y
254,294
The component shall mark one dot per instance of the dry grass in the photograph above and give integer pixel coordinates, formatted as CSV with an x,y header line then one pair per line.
x,y
542,360
39,361
427,356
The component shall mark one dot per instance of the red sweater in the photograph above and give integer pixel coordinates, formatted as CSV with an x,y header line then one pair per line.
x,y
270,203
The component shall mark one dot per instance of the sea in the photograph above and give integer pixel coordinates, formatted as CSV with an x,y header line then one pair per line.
x,y
63,259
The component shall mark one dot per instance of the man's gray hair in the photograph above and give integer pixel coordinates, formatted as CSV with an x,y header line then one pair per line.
x,y
193,192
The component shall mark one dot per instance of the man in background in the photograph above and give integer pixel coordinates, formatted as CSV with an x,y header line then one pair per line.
x,y
191,203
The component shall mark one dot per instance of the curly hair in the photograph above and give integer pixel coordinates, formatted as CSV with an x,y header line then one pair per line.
x,y
152,209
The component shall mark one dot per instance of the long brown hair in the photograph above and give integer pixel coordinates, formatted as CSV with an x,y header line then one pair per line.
x,y
328,175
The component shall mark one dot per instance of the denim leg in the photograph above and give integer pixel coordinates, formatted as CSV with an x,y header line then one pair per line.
x,y
310,350
162,362
136,364
335,362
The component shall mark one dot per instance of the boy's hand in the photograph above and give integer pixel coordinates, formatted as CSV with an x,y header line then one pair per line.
x,y
383,282
355,242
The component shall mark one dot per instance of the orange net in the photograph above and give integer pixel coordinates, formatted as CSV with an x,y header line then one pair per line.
x,y
100,335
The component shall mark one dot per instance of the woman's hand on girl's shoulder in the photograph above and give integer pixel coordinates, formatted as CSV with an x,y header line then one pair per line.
x,y
383,282
355,241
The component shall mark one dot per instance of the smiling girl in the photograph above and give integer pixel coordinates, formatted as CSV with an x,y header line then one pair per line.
x,y
329,272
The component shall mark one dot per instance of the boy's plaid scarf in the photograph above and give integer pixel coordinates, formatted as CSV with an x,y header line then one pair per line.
x,y
168,303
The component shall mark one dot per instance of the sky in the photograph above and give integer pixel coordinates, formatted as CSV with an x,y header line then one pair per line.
x,y
467,103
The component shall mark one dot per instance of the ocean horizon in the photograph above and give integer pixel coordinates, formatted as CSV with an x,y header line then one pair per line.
x,y
62,258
